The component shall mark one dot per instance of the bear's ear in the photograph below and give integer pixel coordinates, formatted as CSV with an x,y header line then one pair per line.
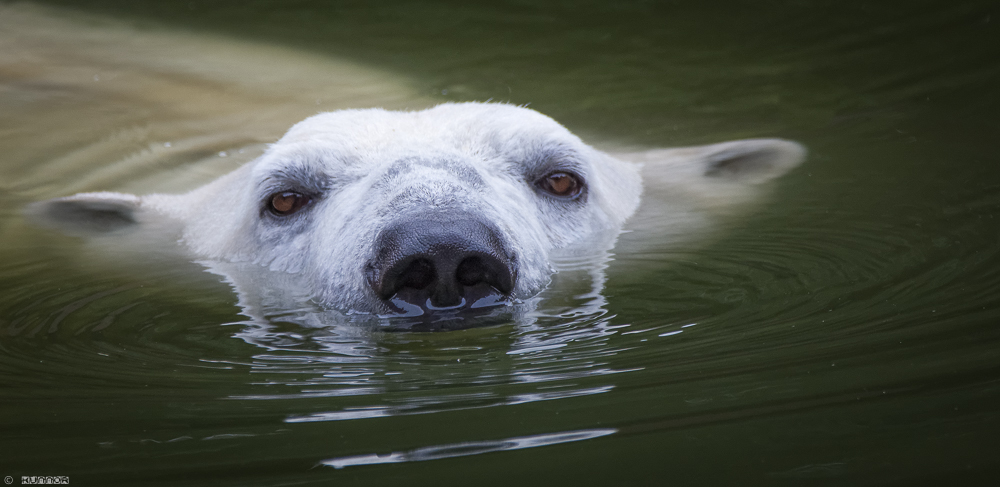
x,y
87,213
750,161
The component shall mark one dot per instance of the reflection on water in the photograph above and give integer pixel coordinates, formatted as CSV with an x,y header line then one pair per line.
x,y
316,353
845,334
425,405
467,448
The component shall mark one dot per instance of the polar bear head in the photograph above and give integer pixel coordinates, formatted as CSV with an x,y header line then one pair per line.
x,y
458,206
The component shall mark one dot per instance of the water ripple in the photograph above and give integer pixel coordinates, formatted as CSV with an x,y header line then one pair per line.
x,y
467,448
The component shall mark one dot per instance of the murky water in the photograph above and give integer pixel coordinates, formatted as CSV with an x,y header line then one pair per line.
x,y
844,334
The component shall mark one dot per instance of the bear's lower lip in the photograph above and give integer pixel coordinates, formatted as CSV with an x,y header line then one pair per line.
x,y
412,303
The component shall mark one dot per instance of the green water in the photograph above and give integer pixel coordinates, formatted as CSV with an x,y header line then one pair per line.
x,y
846,333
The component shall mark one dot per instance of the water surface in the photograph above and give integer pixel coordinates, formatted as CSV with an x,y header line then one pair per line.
x,y
843,334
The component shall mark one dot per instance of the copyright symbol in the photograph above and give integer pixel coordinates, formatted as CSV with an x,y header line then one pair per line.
x,y
8,480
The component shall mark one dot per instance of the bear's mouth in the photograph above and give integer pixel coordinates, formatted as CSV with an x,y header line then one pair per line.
x,y
416,302
415,310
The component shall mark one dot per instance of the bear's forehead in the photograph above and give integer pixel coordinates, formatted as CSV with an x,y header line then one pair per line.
x,y
363,139
461,126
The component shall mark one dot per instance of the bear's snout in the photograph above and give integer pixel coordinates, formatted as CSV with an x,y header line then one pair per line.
x,y
448,261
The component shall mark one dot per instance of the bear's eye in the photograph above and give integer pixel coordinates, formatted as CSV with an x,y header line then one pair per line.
x,y
561,184
287,202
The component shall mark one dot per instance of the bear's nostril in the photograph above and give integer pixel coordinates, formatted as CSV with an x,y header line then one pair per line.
x,y
419,274
471,271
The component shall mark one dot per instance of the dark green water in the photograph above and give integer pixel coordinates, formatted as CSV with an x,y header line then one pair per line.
x,y
847,333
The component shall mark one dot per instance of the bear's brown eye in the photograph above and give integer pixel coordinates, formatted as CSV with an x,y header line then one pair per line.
x,y
562,184
287,202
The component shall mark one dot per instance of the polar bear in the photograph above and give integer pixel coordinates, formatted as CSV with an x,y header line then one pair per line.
x,y
463,206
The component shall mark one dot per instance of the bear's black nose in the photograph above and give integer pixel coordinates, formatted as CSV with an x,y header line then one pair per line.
x,y
442,262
